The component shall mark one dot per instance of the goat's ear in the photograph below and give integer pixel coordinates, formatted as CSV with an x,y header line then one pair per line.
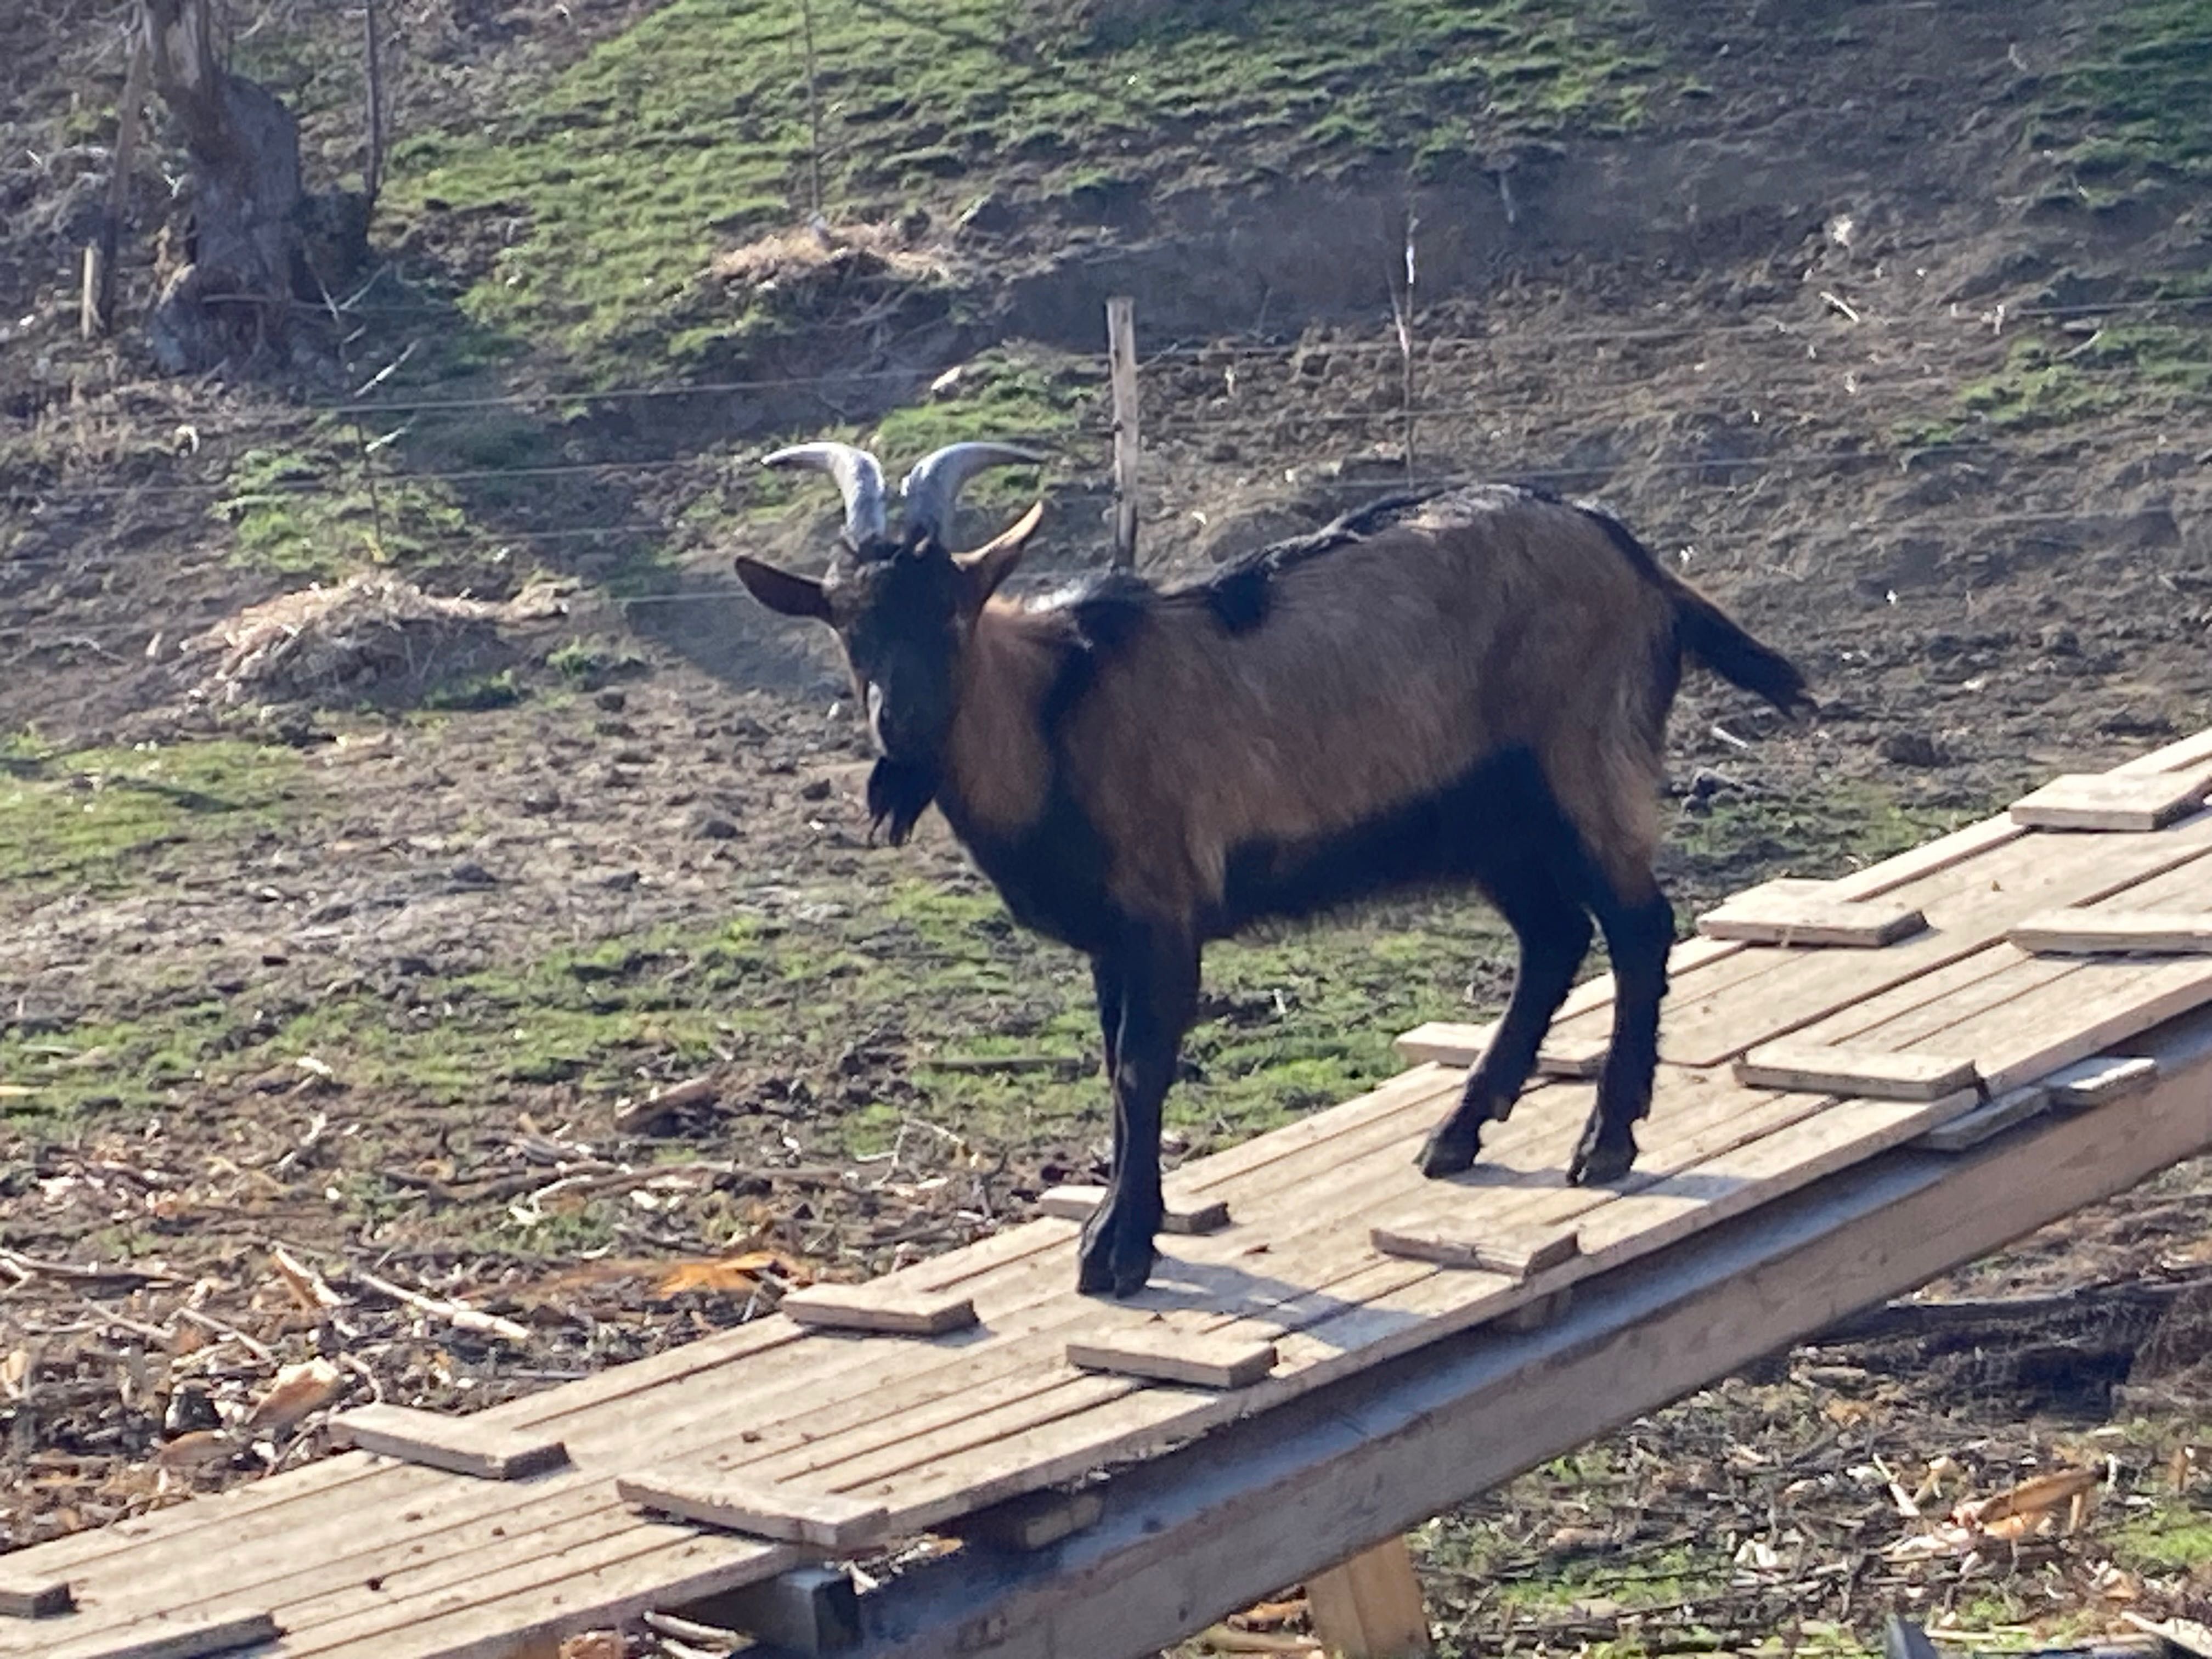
x,y
781,592
992,563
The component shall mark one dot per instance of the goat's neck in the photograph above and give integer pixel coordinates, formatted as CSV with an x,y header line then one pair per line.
x,y
998,764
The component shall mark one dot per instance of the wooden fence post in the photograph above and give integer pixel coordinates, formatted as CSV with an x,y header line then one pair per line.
x,y
96,305
1121,352
1370,1607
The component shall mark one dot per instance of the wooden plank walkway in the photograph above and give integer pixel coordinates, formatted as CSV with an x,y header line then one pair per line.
x,y
787,1431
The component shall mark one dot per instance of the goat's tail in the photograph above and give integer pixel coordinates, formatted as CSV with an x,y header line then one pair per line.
x,y
1716,640
1709,634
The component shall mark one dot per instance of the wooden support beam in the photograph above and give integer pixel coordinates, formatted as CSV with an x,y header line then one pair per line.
x,y
1225,1521
2112,800
1370,1607
1866,1074
809,1610
190,1636
1184,1215
878,1308
1164,1354
2092,933
715,1497
452,1443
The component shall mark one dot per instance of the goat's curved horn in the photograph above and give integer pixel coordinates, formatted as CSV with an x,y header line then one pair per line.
x,y
860,478
933,484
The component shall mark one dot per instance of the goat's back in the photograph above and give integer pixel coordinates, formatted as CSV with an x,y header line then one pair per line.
x,y
1372,675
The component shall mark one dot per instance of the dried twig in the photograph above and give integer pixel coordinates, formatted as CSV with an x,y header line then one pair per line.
x,y
453,1313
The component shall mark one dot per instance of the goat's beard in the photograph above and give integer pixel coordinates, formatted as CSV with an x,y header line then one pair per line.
x,y
899,792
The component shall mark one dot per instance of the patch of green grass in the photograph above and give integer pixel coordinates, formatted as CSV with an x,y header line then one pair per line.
x,y
2049,381
1845,827
691,130
311,507
2132,107
98,818
498,690
2174,1536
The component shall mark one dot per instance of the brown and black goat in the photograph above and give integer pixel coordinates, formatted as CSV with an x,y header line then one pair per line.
x,y
1468,687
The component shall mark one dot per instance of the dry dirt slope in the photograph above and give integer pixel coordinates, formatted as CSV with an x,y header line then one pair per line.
x,y
1884,319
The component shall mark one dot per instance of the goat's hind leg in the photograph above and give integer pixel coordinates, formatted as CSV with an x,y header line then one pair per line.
x,y
1639,932
1554,934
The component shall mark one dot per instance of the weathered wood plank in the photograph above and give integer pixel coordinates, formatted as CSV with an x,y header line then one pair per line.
x,y
2089,933
868,1307
1184,1214
456,1444
1164,1354
1034,1521
1516,1253
23,1597
184,1636
1872,1074
1970,1129
1778,914
2138,802
786,1514
2104,1077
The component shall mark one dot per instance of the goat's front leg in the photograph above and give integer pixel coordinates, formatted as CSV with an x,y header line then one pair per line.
x,y
1156,971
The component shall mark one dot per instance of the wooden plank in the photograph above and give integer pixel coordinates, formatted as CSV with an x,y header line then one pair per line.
x,y
1222,1523
26,1597
1034,1521
456,1444
2105,1077
1164,1354
184,1636
1970,1129
1969,909
867,1308
1572,1054
788,1514
2101,1003
1516,1253
1184,1214
1793,916
1369,1606
2112,801
2088,932
1871,1073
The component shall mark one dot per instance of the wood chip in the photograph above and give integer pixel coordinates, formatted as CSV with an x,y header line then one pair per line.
x,y
1516,1252
1161,1353
765,1509
452,1443
870,1308
1867,1073
2112,800
1184,1215
2091,932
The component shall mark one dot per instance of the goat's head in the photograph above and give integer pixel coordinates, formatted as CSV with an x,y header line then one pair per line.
x,y
902,605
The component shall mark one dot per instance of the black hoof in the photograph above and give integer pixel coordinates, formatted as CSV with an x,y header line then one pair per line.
x,y
1449,1154
1596,1161
1117,1258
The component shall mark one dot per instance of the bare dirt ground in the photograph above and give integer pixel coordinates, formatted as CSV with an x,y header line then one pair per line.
x,y
314,996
